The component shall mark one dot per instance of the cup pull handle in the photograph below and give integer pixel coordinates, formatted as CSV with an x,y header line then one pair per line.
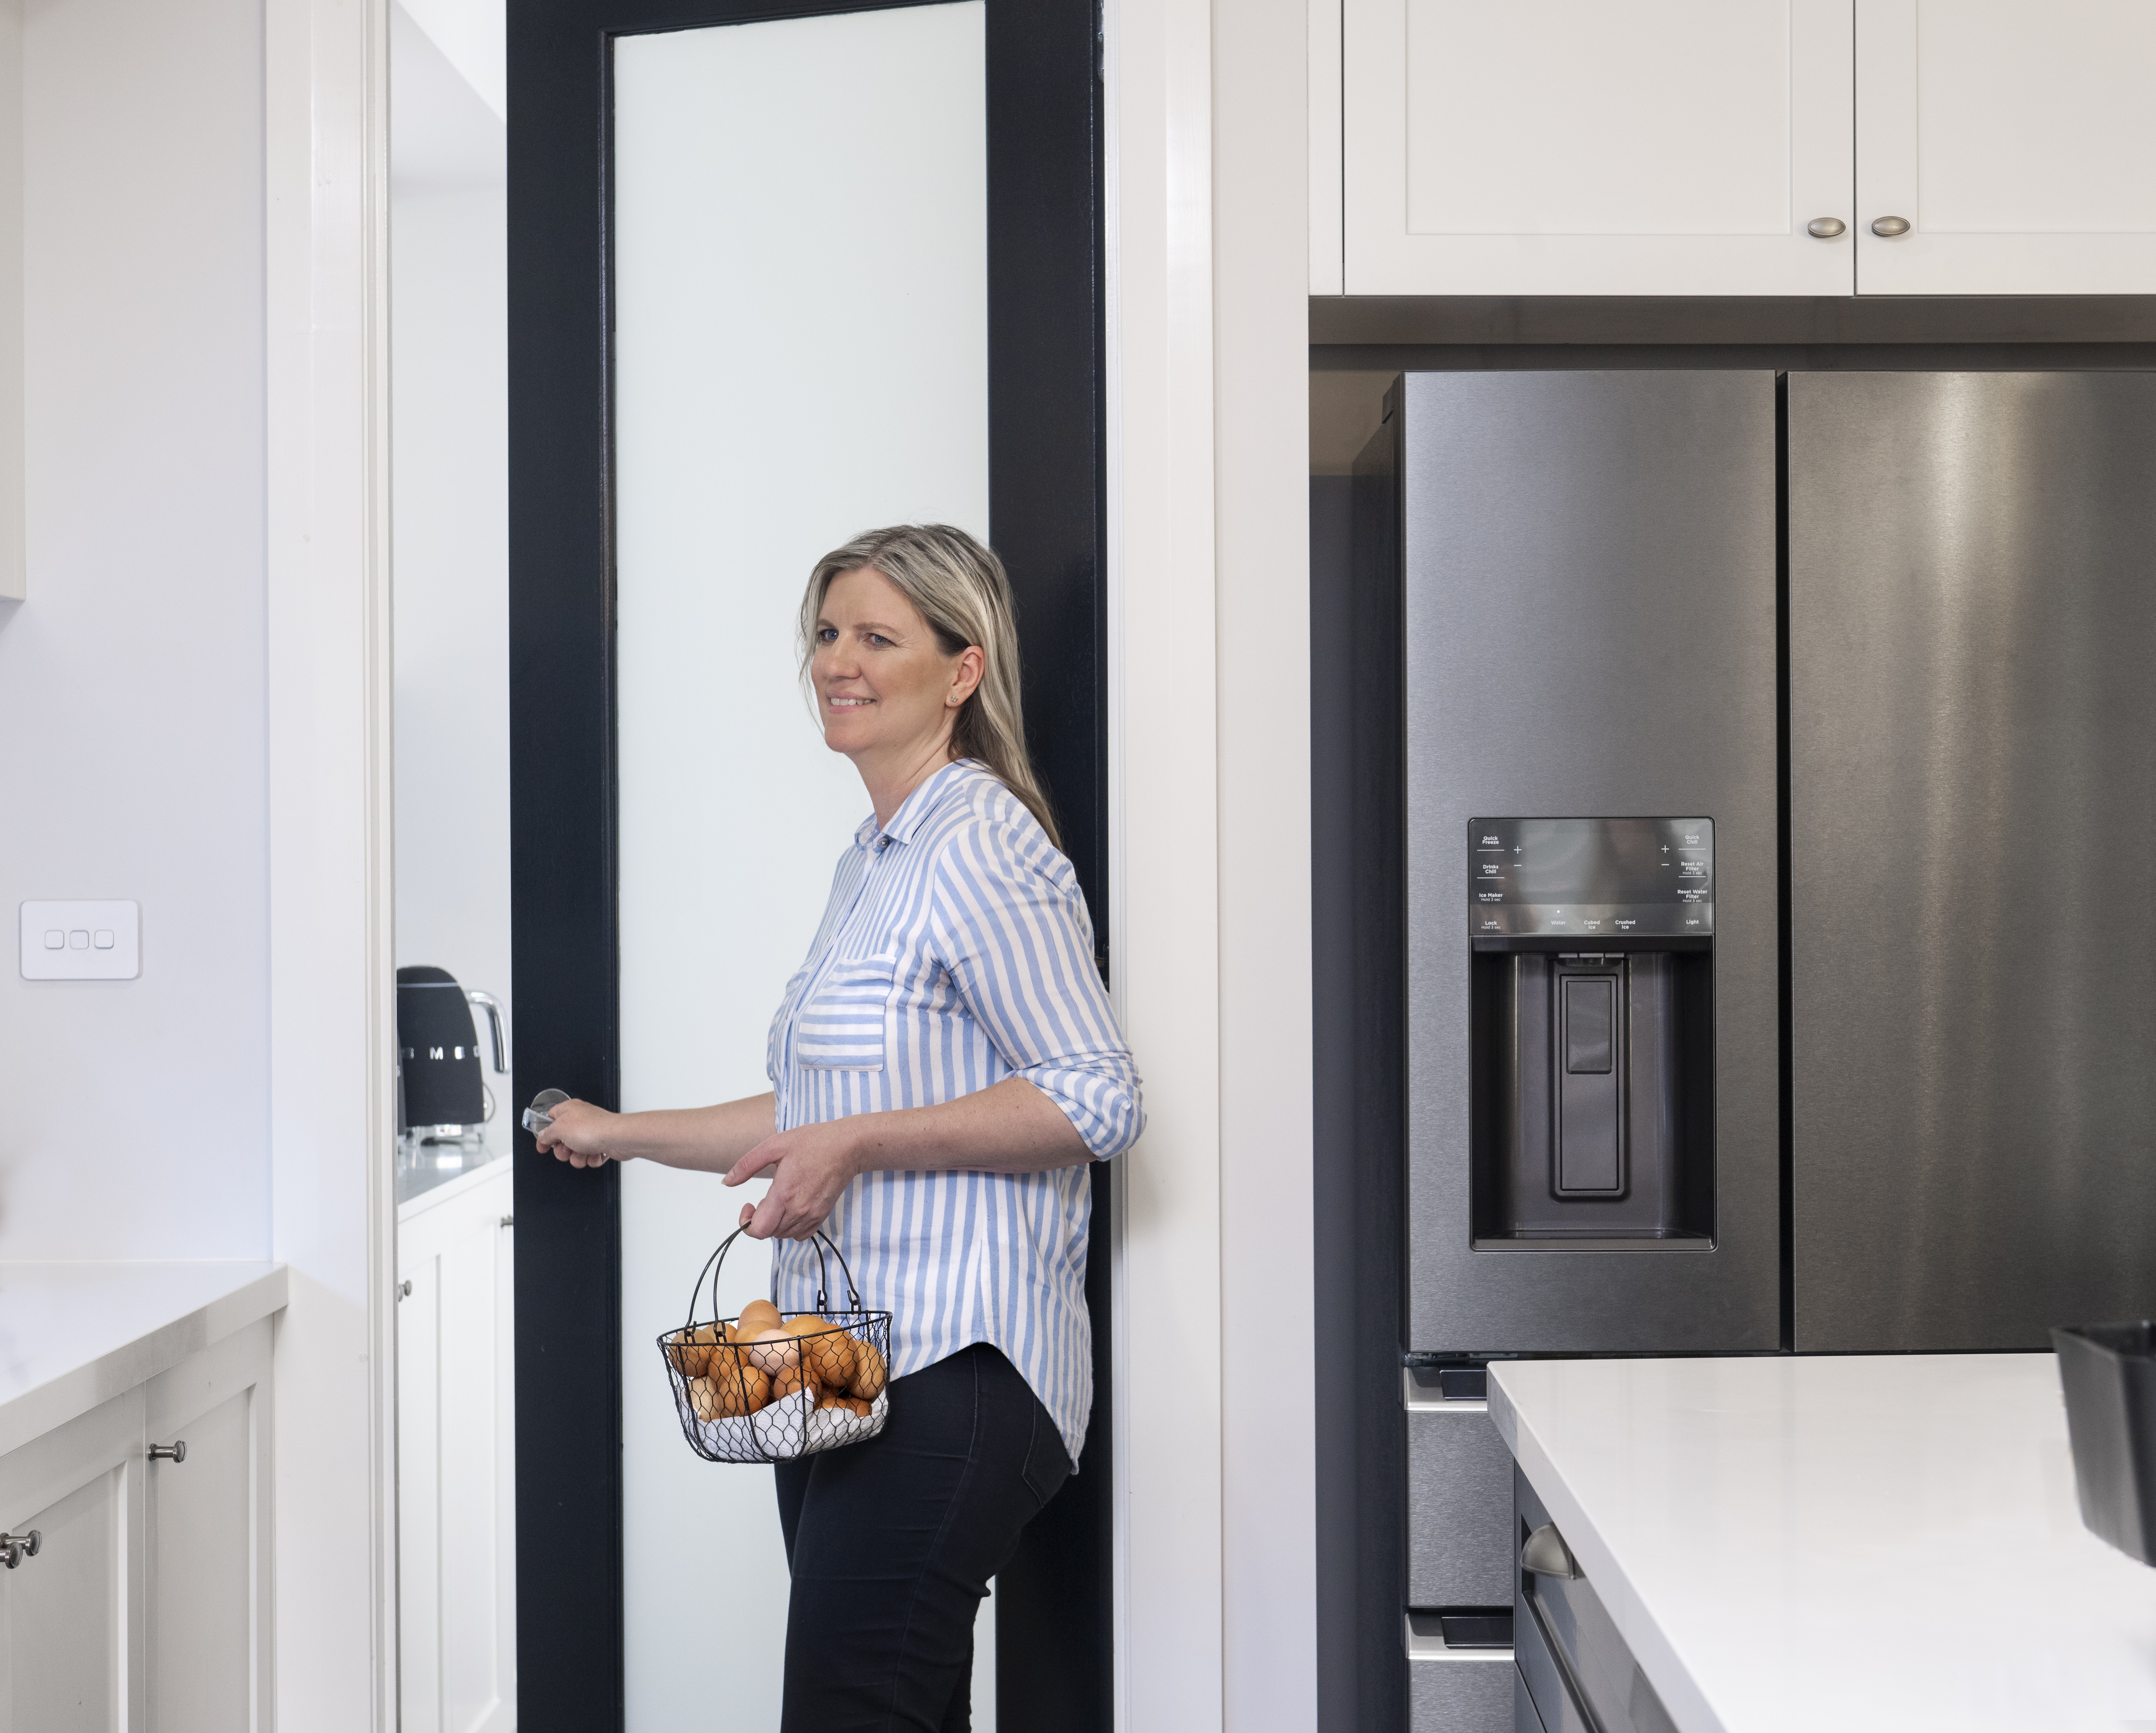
x,y
1546,1554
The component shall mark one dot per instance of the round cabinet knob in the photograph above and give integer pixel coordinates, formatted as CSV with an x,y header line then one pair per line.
x,y
176,1451
1825,228
1887,228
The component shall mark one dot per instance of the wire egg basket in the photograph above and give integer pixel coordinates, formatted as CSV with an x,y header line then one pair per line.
x,y
779,1395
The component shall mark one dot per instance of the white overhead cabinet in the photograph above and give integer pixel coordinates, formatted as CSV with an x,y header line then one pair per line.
x,y
1596,146
1733,147
2015,138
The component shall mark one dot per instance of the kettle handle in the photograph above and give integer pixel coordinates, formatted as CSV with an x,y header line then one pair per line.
x,y
493,1009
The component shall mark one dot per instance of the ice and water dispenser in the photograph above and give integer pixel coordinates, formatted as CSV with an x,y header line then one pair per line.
x,y
1592,1030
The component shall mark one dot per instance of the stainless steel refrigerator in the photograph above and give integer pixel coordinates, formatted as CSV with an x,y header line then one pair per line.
x,y
1754,823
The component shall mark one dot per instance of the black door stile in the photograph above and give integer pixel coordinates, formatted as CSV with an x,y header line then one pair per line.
x,y
1048,519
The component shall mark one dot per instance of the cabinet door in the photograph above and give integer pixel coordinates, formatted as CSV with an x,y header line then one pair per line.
x,y
201,1576
207,1519
2015,138
61,1614
70,1619
1597,146
456,1442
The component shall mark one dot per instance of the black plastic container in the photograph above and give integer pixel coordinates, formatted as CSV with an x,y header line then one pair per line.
x,y
2108,1372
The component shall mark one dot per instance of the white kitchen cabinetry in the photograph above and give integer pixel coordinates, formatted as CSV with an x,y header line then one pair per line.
x,y
1587,147
1684,147
208,1556
147,1604
71,1617
2016,138
456,1456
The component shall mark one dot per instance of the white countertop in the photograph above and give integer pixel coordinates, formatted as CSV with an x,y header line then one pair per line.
x,y
1876,1542
72,1336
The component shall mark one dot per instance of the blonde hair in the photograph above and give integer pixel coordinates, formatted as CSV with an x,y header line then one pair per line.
x,y
961,589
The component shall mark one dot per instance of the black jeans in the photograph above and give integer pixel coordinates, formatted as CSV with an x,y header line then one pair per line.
x,y
891,1544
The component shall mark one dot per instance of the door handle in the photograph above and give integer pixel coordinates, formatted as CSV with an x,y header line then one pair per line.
x,y
1546,1554
15,1548
176,1451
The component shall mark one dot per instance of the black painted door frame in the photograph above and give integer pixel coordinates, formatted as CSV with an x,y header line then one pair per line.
x,y
1047,518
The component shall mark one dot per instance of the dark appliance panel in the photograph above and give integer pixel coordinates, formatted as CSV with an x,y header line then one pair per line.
x,y
1588,634
1972,840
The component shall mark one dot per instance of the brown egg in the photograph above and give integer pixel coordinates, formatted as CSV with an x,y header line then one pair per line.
x,y
772,1352
685,1357
740,1389
869,1371
853,1405
830,1359
705,1398
757,1316
786,1381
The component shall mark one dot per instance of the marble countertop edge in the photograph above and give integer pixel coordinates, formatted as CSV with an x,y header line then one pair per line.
x,y
121,1324
1650,1645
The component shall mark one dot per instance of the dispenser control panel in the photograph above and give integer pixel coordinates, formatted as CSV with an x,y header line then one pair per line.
x,y
1590,878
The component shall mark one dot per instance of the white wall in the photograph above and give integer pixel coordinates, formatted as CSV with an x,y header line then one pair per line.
x,y
132,681
801,273
450,540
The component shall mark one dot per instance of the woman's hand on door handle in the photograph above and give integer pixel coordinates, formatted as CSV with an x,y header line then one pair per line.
x,y
579,1133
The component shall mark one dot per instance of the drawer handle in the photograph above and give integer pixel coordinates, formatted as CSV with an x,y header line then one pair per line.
x,y
1825,228
176,1451
15,1548
1546,1554
1887,228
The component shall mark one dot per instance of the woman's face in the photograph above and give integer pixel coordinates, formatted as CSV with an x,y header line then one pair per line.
x,y
884,687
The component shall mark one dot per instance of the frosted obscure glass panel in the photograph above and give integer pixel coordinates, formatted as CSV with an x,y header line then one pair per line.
x,y
801,281
1599,117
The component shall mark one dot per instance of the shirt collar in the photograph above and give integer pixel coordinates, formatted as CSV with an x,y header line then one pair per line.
x,y
914,810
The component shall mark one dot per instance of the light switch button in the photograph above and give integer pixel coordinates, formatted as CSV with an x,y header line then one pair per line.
x,y
81,940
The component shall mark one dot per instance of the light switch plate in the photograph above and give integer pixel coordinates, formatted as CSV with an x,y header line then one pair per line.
x,y
97,941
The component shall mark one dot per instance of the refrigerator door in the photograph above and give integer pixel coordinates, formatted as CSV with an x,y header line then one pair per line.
x,y
1587,630
1973,834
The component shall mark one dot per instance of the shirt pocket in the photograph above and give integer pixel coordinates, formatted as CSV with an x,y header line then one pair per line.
x,y
841,1028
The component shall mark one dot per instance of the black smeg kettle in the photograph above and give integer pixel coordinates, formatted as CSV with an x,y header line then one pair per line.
x,y
440,1094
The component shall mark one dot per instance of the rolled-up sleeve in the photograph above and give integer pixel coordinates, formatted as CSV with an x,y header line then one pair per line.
x,y
1011,926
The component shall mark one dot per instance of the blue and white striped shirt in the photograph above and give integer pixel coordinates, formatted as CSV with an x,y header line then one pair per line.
x,y
956,951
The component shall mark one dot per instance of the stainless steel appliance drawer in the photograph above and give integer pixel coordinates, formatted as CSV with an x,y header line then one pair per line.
x,y
1577,1669
1460,1501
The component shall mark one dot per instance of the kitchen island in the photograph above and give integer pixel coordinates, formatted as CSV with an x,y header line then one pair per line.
x,y
1794,1543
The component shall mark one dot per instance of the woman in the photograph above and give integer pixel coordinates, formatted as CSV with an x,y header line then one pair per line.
x,y
943,1067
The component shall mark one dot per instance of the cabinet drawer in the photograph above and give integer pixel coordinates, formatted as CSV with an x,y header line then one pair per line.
x,y
1576,1667
1459,1508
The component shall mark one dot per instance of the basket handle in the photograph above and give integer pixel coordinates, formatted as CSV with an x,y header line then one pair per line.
x,y
717,1261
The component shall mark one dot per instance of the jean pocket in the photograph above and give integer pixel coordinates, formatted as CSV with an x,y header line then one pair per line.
x,y
1047,1463
841,1028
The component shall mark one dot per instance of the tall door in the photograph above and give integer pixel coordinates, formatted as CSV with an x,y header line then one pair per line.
x,y
780,271
1972,821
2013,138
